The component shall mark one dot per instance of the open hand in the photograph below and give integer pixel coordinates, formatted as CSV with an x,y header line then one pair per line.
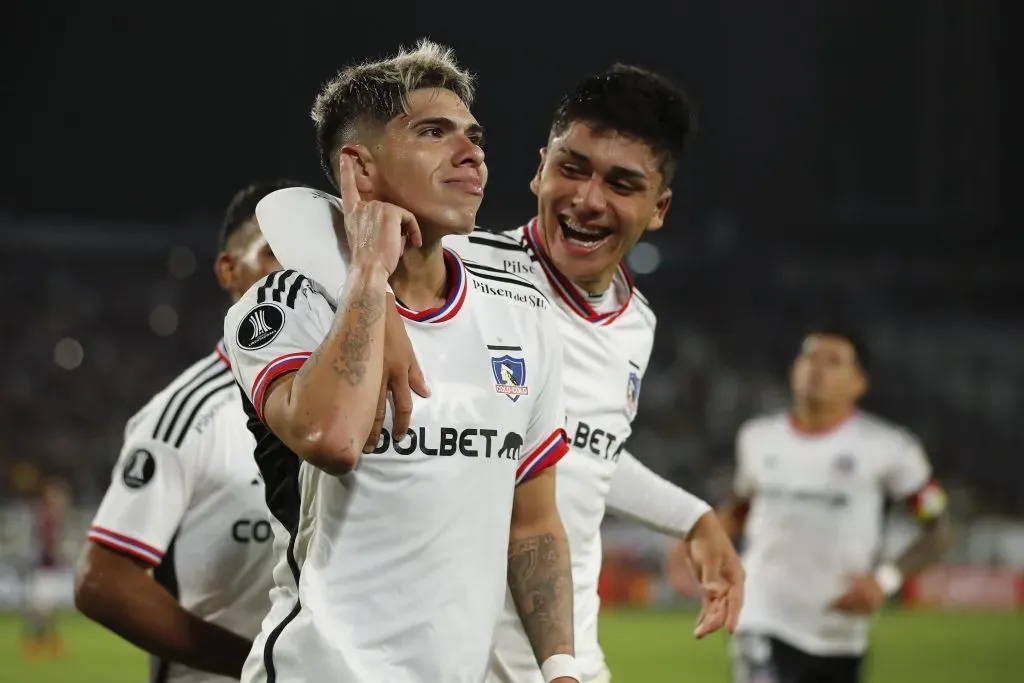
x,y
719,571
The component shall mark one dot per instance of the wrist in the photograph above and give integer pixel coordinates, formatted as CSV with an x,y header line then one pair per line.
x,y
369,262
373,271
561,666
889,578
371,275
701,515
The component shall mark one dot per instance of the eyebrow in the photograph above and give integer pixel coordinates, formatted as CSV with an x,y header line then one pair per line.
x,y
447,124
615,173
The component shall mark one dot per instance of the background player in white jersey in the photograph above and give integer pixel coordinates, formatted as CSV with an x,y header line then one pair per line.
x,y
395,568
809,495
603,180
186,501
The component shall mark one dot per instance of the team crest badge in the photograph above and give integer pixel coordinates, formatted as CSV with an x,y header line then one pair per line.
x,y
510,376
632,394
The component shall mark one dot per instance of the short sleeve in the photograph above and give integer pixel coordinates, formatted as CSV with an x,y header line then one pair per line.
x,y
503,251
149,492
545,442
907,470
743,478
273,329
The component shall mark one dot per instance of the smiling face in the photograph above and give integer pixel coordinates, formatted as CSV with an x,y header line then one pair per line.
x,y
429,160
597,191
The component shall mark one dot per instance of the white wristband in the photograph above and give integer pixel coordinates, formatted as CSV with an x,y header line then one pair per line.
x,y
889,579
561,666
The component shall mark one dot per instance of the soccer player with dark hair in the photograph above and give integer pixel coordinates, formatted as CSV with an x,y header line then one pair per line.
x,y
809,495
178,559
604,180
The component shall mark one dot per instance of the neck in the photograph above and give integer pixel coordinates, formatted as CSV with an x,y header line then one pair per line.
x,y
420,278
596,285
810,417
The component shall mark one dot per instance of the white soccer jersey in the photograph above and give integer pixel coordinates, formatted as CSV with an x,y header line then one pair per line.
x,y
816,516
401,564
187,498
606,356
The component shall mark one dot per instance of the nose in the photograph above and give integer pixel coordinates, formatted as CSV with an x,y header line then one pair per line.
x,y
469,153
589,196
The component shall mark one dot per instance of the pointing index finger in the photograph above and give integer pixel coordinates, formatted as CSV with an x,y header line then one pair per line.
x,y
347,183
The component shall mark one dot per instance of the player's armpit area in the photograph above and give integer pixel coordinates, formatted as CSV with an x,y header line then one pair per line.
x,y
539,569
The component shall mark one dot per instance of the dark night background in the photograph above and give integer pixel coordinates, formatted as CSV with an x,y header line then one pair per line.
x,y
852,159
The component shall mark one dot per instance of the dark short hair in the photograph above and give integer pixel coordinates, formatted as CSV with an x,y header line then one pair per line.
x,y
377,92
243,206
635,102
849,334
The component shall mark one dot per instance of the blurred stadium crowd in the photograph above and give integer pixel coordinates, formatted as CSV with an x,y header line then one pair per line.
x,y
99,317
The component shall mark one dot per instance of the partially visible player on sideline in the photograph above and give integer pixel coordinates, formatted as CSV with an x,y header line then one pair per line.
x,y
603,181
179,560
809,495
45,580
398,558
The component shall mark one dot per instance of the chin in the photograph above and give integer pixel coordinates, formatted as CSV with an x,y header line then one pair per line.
x,y
456,222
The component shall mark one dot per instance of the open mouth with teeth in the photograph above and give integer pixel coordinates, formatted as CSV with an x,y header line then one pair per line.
x,y
582,236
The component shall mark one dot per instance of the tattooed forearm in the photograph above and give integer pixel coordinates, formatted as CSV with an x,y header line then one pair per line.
x,y
540,581
355,344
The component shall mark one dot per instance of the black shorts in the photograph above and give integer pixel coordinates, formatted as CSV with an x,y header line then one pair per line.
x,y
766,659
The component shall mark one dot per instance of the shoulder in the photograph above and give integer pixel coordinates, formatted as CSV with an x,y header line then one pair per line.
x,y
870,425
642,307
763,425
508,241
505,250
254,320
282,288
497,284
191,399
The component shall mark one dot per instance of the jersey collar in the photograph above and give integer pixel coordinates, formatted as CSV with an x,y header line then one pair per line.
x,y
824,431
456,296
222,353
567,291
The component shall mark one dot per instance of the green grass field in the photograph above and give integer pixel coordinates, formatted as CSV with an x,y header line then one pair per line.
x,y
642,647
